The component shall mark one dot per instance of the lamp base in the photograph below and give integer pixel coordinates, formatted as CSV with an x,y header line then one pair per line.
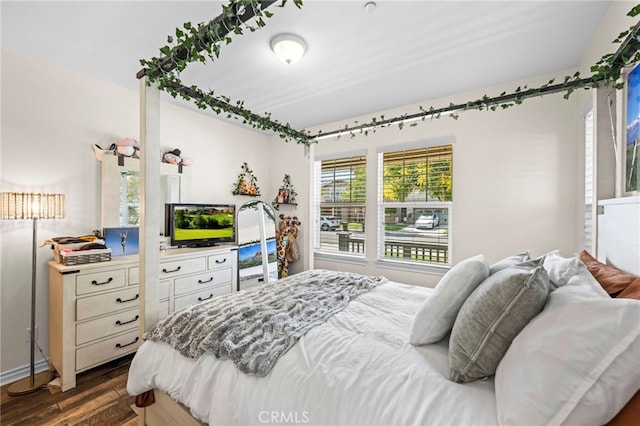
x,y
24,386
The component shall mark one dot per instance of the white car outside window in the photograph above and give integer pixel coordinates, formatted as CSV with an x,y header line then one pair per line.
x,y
427,222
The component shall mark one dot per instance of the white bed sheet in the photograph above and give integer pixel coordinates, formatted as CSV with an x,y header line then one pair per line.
x,y
358,368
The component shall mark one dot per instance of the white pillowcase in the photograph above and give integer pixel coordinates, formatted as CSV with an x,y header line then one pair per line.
x,y
584,284
575,363
509,261
435,318
560,269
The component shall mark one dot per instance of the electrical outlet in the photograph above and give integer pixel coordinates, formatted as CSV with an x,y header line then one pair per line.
x,y
29,334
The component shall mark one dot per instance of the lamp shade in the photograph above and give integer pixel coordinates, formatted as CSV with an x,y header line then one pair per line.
x,y
288,47
27,205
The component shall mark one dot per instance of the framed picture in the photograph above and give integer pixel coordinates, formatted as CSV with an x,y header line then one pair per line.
x,y
631,137
283,196
122,241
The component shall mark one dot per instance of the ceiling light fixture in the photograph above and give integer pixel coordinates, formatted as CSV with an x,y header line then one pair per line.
x,y
369,6
288,47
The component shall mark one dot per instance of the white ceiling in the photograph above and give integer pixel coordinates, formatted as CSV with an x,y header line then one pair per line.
x,y
357,62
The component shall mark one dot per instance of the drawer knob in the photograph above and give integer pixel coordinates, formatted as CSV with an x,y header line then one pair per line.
x,y
127,300
202,299
204,282
128,322
118,345
94,282
221,261
172,270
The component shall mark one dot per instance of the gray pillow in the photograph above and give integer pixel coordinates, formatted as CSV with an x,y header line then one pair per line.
x,y
492,317
437,314
509,261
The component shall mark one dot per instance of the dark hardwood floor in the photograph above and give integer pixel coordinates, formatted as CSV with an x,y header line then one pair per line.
x,y
100,398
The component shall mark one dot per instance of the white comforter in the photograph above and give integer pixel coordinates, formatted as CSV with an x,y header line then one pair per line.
x,y
358,368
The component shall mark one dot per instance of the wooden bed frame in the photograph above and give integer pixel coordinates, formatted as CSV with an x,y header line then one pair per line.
x,y
167,412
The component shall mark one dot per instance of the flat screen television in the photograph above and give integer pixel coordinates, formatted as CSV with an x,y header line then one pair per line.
x,y
200,225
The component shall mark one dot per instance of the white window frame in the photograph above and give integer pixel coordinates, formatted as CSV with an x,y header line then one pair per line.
x,y
382,205
350,257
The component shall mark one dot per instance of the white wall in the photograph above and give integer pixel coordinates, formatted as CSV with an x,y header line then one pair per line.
x,y
50,119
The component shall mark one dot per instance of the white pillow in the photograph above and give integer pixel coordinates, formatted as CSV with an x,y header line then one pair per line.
x,y
560,269
575,363
584,284
510,261
437,314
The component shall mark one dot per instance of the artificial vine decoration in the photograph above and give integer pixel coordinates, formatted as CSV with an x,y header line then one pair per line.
x,y
286,193
246,184
203,41
197,43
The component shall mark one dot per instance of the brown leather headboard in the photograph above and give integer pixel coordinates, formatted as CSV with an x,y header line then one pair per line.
x,y
630,414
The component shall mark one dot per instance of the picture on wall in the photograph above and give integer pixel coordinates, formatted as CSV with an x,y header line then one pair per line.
x,y
631,152
122,241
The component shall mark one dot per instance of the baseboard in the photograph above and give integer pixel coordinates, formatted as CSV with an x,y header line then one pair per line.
x,y
16,374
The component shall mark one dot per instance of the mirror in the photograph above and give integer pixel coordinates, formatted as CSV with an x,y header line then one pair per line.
x,y
121,190
257,260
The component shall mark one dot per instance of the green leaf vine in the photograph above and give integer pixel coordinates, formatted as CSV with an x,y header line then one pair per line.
x,y
197,43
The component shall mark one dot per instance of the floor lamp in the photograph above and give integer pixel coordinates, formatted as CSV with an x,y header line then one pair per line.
x,y
34,206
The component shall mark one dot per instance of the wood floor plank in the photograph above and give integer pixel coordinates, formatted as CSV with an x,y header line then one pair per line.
x,y
99,398
88,394
86,410
41,416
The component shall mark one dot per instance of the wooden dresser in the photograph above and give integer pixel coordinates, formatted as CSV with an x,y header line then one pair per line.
x,y
94,307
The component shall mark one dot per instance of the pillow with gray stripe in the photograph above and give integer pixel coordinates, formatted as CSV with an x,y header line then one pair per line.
x,y
491,317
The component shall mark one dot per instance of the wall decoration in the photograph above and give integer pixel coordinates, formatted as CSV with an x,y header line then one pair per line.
x,y
246,184
122,241
286,247
631,148
286,194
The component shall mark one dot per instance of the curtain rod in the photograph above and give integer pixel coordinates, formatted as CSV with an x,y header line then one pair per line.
x,y
630,44
167,64
238,111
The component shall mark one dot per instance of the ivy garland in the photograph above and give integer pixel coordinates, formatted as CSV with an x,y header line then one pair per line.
x,y
197,43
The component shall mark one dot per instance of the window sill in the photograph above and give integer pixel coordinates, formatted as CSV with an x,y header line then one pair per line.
x,y
340,258
413,267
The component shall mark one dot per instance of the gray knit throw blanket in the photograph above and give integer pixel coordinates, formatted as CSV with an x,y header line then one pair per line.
x,y
256,326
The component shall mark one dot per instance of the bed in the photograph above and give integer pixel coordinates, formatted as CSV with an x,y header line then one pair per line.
x,y
575,362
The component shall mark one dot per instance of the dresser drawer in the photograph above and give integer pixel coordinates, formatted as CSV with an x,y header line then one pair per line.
x,y
100,281
182,267
101,304
201,296
100,328
105,350
134,275
200,281
163,290
163,309
224,260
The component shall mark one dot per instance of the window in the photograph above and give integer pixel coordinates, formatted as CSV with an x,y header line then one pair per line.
x,y
415,194
340,205
129,198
